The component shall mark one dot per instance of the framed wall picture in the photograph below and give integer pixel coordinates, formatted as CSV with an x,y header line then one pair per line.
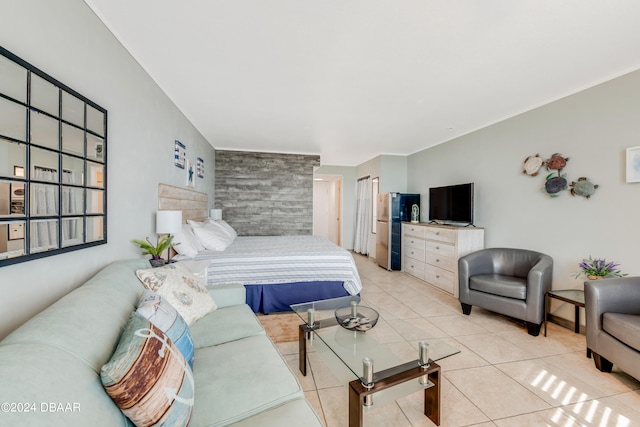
x,y
191,176
179,155
633,164
200,168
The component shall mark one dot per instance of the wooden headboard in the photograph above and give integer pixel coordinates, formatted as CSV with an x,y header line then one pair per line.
x,y
193,204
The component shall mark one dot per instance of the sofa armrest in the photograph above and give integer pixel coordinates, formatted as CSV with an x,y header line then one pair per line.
x,y
228,294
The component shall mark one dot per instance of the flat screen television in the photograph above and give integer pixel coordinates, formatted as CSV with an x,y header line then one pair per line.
x,y
451,204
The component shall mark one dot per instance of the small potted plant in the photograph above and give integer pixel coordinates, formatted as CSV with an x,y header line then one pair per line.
x,y
598,268
163,243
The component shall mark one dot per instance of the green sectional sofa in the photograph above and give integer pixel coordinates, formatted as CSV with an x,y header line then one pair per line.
x,y
50,366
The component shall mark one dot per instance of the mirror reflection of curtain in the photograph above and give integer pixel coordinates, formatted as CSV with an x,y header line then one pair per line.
x,y
44,234
363,216
69,226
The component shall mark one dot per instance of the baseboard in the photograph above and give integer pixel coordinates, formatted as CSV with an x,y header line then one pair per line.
x,y
565,323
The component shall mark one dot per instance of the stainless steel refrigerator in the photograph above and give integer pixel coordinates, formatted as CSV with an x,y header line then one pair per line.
x,y
392,210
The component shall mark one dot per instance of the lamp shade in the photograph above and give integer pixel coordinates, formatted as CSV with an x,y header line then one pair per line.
x,y
168,222
215,214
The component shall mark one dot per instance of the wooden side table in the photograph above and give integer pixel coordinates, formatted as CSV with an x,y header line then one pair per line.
x,y
572,296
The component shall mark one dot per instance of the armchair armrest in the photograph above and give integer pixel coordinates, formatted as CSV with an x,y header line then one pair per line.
x,y
480,262
539,282
620,295
540,276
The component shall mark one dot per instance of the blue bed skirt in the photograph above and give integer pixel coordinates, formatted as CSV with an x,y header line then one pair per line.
x,y
272,298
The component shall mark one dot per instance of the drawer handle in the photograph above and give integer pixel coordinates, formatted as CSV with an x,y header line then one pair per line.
x,y
437,233
412,266
412,253
437,247
437,277
437,260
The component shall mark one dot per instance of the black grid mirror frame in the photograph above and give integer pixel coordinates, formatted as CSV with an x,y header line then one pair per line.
x,y
53,165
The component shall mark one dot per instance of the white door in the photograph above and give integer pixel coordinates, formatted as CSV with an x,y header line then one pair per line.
x,y
327,208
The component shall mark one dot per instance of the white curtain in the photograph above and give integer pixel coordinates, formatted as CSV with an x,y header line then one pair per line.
x,y
363,216
70,226
44,234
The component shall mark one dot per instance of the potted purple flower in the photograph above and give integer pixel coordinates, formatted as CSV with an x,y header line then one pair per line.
x,y
598,268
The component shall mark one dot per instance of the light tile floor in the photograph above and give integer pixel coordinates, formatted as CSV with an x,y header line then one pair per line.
x,y
501,377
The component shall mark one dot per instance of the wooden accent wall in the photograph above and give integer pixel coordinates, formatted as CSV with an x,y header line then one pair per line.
x,y
265,194
193,204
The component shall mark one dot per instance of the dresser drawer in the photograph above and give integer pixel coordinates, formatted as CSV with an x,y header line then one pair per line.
x,y
439,248
413,253
443,279
413,242
414,267
439,260
440,234
413,230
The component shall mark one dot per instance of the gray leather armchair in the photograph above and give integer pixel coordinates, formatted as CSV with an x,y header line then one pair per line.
x,y
612,307
508,281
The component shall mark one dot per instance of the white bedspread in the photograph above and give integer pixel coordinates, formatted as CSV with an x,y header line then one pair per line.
x,y
281,259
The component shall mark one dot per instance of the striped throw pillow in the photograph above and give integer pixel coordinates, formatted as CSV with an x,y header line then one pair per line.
x,y
162,314
148,378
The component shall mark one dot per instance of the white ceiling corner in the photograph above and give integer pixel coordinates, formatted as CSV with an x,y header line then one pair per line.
x,y
350,79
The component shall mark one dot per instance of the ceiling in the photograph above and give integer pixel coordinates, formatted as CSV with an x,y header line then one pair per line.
x,y
352,79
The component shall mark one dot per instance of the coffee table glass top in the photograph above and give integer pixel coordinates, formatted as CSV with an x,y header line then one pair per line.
x,y
390,343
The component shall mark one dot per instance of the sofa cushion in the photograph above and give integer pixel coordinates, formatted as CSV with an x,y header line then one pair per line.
x,y
226,324
624,327
148,378
162,314
498,284
181,288
239,379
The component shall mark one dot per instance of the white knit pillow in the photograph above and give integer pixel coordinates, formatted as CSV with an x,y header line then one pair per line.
x,y
181,289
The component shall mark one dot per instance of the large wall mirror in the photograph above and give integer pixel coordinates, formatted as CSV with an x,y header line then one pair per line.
x,y
53,165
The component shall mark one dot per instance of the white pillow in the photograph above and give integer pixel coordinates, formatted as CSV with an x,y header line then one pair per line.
x,y
226,227
211,236
181,289
186,242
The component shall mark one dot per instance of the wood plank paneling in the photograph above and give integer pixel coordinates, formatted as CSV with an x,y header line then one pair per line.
x,y
265,194
193,204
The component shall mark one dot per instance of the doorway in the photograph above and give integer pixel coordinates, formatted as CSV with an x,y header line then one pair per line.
x,y
327,207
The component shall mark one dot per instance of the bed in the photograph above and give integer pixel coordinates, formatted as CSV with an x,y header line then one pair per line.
x,y
277,271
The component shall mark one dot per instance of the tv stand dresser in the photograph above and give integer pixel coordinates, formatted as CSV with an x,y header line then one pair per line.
x,y
430,252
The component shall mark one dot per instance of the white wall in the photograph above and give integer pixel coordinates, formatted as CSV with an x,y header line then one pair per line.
x,y
64,39
593,128
393,174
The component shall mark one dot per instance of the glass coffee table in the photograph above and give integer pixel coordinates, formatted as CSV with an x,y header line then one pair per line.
x,y
373,365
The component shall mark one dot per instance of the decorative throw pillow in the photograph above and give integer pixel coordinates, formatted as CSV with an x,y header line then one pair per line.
x,y
163,315
186,243
148,378
181,289
211,236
